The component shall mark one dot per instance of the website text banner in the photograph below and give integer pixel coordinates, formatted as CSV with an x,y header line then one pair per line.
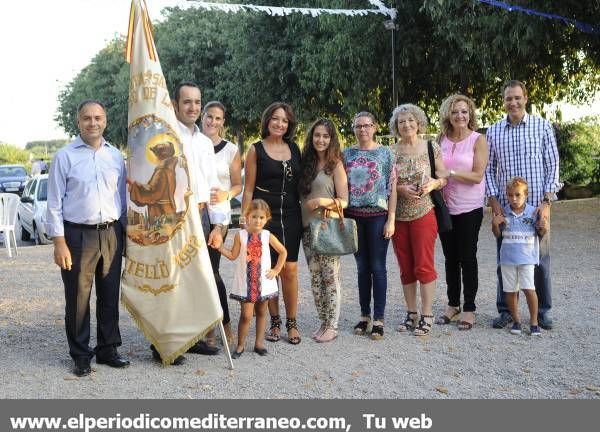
x,y
299,415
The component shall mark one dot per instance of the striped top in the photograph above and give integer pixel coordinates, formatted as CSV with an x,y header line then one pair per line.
x,y
528,150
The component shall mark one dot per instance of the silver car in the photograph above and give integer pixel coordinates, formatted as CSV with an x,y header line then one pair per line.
x,y
32,210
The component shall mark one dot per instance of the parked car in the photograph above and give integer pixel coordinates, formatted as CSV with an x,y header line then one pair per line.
x,y
31,212
13,178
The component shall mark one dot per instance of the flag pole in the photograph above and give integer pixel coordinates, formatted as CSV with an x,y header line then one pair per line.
x,y
225,345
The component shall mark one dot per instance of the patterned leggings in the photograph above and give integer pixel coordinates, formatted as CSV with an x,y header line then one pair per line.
x,y
325,283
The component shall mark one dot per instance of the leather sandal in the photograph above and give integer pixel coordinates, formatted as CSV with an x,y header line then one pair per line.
x,y
273,335
445,319
362,326
328,335
290,323
424,327
377,330
317,333
410,322
466,325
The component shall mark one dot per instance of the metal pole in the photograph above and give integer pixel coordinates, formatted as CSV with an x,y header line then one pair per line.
x,y
394,93
225,345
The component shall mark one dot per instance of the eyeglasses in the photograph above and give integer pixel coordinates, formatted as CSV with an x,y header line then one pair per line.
x,y
287,170
363,126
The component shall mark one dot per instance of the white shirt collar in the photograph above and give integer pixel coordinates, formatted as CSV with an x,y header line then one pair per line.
x,y
187,130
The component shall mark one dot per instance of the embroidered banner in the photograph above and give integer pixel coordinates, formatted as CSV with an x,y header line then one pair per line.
x,y
167,284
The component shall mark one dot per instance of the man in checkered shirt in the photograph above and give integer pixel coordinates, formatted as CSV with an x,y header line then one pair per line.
x,y
523,145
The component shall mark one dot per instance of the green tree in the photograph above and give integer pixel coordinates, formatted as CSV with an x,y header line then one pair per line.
x,y
11,154
45,149
106,78
473,48
336,65
579,150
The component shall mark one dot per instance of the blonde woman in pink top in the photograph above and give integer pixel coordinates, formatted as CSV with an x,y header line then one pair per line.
x,y
465,156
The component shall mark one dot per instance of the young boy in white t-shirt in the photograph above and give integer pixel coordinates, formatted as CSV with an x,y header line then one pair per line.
x,y
519,253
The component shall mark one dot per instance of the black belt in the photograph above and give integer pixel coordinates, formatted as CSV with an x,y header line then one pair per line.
x,y
98,227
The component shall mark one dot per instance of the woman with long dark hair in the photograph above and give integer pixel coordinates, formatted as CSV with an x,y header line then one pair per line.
x,y
323,181
272,171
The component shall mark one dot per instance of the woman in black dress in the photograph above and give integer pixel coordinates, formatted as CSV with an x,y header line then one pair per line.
x,y
272,172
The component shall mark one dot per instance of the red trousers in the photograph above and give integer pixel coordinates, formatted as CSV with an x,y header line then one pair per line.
x,y
414,245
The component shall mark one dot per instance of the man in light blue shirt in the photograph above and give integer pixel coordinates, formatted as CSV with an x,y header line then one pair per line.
x,y
87,216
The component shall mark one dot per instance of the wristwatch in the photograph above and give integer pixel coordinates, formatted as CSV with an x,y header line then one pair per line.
x,y
452,173
547,200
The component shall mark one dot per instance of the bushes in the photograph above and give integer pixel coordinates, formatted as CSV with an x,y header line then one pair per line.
x,y
10,154
579,149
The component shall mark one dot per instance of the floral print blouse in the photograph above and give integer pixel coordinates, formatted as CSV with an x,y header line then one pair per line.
x,y
414,169
371,174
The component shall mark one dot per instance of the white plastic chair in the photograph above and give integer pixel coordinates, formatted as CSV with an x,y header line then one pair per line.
x,y
8,219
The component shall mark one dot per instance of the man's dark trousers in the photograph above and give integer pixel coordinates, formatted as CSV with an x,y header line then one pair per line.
x,y
96,256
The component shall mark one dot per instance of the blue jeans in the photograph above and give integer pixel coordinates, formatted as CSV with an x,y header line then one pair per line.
x,y
543,286
370,262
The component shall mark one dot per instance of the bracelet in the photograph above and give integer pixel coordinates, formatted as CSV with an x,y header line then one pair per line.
x,y
228,196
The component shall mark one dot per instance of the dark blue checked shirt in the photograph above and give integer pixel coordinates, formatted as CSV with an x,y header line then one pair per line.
x,y
528,150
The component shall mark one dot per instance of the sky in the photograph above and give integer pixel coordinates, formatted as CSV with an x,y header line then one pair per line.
x,y
45,43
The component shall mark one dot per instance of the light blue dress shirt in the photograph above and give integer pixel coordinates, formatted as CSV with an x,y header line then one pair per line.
x,y
86,186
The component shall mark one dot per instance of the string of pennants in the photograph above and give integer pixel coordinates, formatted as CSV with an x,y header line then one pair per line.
x,y
586,28
379,8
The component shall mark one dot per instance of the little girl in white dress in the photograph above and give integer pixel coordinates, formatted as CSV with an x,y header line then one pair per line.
x,y
254,280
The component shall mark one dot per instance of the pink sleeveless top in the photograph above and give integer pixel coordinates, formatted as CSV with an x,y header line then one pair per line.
x,y
461,197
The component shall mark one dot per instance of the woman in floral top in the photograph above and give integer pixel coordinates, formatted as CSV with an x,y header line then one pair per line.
x,y
416,226
372,201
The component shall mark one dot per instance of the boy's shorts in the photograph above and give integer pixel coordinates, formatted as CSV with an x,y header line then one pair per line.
x,y
515,277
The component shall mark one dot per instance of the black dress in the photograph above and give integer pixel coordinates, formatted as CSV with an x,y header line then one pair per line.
x,y
277,184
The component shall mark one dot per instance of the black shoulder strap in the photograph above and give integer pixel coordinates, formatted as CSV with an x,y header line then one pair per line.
x,y
431,159
220,146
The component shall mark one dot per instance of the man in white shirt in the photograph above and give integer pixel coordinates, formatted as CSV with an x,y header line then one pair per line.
x,y
202,165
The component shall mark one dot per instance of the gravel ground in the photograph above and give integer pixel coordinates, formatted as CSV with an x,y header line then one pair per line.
x,y
482,363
